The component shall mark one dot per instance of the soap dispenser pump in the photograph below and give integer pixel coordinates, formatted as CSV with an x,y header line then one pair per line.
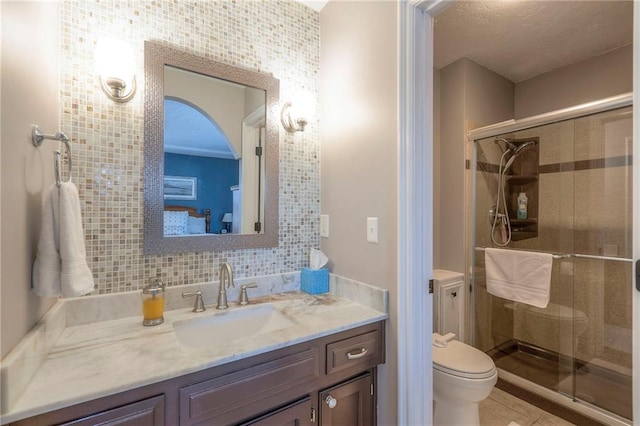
x,y
153,302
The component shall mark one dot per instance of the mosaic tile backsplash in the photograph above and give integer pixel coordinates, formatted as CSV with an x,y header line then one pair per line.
x,y
280,38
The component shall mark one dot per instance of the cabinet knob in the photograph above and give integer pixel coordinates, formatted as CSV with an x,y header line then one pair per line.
x,y
331,401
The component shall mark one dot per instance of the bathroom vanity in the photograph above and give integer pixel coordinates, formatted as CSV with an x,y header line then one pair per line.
x,y
300,382
320,370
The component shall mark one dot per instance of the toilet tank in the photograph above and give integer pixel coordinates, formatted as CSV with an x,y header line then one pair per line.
x,y
449,303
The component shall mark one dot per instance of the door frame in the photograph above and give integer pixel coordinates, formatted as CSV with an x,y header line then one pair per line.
x,y
415,209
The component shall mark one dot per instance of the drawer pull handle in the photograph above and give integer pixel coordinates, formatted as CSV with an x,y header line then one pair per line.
x,y
352,355
331,401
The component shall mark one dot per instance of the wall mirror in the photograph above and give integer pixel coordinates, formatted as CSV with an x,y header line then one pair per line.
x,y
211,155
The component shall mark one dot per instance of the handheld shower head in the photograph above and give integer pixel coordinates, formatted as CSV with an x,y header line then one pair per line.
x,y
517,151
520,148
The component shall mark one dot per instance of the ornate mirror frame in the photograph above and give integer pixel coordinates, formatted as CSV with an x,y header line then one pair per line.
x,y
156,56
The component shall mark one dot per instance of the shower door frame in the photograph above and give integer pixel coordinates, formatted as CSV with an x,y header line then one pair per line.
x,y
636,213
511,126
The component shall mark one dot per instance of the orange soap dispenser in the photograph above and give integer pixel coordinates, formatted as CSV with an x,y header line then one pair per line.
x,y
153,302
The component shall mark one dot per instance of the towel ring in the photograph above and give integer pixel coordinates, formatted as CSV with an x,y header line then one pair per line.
x,y
37,137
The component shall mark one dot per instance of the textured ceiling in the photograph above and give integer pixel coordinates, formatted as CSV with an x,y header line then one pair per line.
x,y
521,39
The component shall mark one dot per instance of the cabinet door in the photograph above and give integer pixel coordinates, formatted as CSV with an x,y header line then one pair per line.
x,y
296,414
348,404
149,412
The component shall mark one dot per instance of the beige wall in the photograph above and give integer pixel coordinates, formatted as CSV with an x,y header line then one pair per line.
x,y
450,204
606,75
470,96
29,96
436,168
358,83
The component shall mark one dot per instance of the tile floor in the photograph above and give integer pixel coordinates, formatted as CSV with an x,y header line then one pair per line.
x,y
501,408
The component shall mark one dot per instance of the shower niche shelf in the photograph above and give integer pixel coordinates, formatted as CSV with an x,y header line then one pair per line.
x,y
524,178
523,222
523,229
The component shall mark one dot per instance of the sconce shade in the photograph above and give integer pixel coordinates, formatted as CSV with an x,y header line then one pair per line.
x,y
115,64
304,104
228,217
296,114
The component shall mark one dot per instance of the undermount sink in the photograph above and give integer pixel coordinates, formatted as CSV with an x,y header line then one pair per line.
x,y
225,327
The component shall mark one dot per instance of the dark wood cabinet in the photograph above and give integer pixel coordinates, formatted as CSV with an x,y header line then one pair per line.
x,y
227,399
287,386
352,353
149,412
348,404
300,413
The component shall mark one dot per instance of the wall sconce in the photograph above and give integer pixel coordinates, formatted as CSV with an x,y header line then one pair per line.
x,y
116,68
296,114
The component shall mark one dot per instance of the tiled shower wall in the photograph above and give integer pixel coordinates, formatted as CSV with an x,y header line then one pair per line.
x,y
280,38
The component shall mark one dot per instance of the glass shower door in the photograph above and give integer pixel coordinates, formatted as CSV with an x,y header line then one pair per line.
x,y
580,191
532,343
602,269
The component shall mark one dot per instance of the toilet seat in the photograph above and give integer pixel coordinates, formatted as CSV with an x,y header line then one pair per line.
x,y
461,360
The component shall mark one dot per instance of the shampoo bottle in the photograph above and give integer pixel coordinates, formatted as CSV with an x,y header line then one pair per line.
x,y
522,206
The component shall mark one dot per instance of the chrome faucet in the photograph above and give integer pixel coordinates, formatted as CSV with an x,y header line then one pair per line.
x,y
226,276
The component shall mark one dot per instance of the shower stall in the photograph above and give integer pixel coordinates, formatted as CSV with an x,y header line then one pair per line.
x,y
575,167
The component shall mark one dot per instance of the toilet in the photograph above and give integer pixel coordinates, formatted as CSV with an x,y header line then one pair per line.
x,y
462,377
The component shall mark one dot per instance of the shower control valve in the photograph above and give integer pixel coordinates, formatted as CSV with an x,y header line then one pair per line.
x,y
492,215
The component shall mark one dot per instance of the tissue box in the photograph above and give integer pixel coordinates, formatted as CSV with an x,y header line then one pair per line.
x,y
314,281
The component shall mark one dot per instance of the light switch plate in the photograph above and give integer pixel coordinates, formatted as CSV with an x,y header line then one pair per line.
x,y
372,229
324,225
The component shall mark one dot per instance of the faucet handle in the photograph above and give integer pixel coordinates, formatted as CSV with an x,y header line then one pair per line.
x,y
198,305
244,298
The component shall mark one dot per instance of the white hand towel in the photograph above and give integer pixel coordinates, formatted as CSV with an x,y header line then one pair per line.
x,y
46,269
61,266
521,276
76,278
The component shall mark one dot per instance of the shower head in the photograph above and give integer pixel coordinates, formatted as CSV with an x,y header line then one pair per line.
x,y
509,145
517,150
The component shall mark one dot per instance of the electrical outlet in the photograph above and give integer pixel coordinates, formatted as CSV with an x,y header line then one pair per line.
x,y
372,229
324,225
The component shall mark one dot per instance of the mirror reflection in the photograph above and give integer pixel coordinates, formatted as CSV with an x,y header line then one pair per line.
x,y
213,151
218,167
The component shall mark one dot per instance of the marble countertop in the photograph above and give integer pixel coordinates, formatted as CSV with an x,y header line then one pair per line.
x,y
95,360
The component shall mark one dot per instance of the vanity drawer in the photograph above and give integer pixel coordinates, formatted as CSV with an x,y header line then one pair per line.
x,y
235,396
362,351
149,412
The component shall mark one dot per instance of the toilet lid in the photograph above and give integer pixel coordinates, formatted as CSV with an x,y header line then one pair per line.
x,y
463,360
